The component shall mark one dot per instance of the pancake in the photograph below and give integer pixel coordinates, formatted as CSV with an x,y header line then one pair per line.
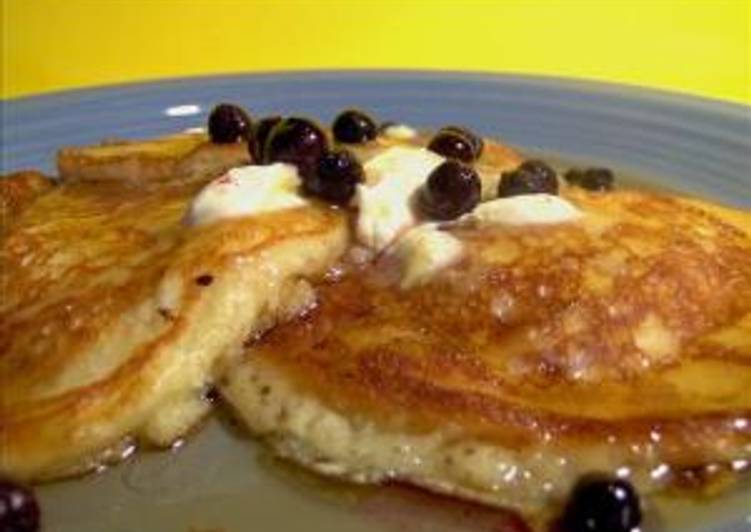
x,y
19,190
180,156
619,342
116,316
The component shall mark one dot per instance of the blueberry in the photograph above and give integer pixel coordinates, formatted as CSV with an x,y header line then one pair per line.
x,y
597,179
261,131
337,175
531,177
354,127
602,504
228,123
19,511
540,168
297,141
451,190
453,145
477,143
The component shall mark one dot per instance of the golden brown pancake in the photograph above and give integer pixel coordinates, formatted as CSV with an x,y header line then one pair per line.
x,y
115,315
183,156
620,342
19,190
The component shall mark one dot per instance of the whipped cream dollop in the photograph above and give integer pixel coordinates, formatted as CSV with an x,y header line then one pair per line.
x,y
385,199
245,191
526,209
399,132
423,251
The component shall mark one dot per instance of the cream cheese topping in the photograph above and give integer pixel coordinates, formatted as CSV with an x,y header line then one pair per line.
x,y
400,132
385,199
423,251
527,209
246,191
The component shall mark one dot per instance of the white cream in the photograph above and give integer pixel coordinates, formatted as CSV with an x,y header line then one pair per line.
x,y
526,209
423,251
246,191
385,199
400,132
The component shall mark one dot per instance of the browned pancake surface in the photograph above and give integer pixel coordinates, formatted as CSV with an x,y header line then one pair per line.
x,y
115,313
635,321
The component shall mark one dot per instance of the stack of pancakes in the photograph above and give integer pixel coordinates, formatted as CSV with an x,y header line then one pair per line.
x,y
620,341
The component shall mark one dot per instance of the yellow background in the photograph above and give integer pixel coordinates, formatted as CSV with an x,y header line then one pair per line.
x,y
696,46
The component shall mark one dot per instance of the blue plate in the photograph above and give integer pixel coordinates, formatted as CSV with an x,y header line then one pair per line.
x,y
694,145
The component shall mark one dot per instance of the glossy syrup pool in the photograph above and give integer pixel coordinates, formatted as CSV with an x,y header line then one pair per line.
x,y
222,480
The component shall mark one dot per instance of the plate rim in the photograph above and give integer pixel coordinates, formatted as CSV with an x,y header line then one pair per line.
x,y
571,83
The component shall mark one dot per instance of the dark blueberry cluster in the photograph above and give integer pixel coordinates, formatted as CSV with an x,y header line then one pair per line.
x,y
297,141
19,511
353,126
261,130
531,177
602,504
452,189
229,123
596,179
331,175
458,143
478,145
336,177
